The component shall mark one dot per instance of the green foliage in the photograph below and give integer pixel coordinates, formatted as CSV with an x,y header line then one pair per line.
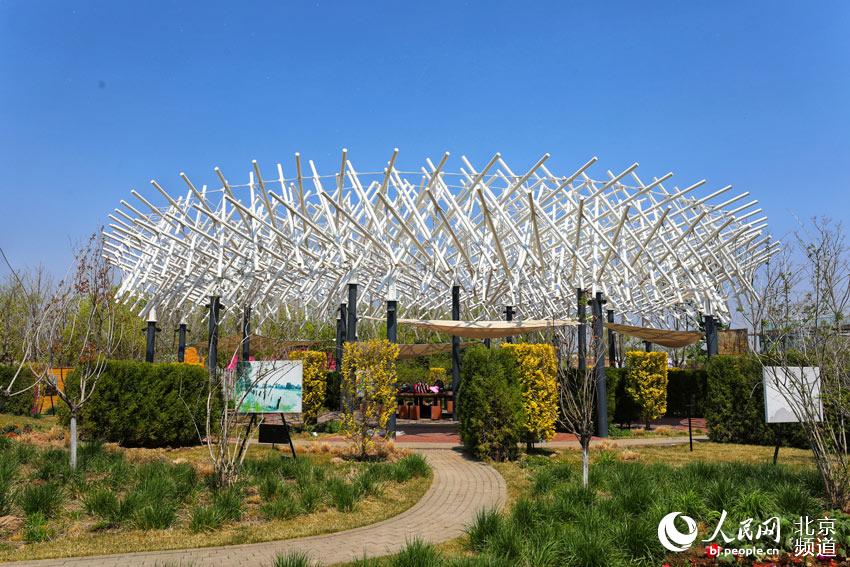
x,y
281,508
139,404
293,559
35,528
417,553
490,404
21,404
734,405
8,472
228,502
682,383
314,381
333,381
614,521
45,498
205,519
343,494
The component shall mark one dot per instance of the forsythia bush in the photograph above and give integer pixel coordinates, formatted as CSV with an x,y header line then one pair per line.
x,y
537,373
647,382
313,393
368,385
435,374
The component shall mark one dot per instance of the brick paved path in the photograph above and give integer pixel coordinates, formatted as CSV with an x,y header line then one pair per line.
x,y
460,488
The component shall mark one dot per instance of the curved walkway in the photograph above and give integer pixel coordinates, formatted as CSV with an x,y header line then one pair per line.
x,y
459,489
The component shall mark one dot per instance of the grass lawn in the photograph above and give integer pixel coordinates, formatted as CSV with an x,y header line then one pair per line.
x,y
552,520
144,500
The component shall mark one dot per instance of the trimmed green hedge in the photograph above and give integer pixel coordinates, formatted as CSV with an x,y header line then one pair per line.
x,y
681,384
138,404
22,404
490,404
734,405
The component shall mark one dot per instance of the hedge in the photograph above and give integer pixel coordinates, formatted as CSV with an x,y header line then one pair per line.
x,y
490,404
537,372
314,382
21,404
139,404
734,405
681,384
647,383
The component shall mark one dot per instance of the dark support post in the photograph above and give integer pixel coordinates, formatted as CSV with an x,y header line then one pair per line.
x,y
351,330
599,367
582,331
487,343
455,349
690,429
246,334
151,337
212,351
647,346
710,334
509,316
340,335
612,342
181,342
392,336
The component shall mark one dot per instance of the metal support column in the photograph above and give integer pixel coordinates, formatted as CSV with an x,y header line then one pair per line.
x,y
612,342
599,366
214,318
710,334
647,346
392,336
181,342
582,330
246,334
150,332
455,349
340,335
509,316
351,329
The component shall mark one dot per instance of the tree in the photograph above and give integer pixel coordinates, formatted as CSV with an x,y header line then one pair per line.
x,y
646,383
315,383
802,302
537,373
75,326
577,393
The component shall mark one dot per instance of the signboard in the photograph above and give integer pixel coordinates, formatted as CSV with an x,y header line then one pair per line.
x,y
269,386
788,391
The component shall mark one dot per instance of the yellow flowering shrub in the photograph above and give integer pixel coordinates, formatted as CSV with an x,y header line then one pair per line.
x,y
313,392
435,374
369,391
646,382
537,371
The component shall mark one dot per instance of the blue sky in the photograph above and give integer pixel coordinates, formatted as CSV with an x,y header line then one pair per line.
x,y
100,97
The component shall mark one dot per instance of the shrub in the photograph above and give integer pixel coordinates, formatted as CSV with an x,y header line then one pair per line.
x,y
228,502
734,405
490,404
205,519
155,515
417,553
314,383
343,495
293,559
682,385
368,377
415,465
21,404
482,529
35,528
537,372
8,471
41,498
332,386
138,404
280,508
647,383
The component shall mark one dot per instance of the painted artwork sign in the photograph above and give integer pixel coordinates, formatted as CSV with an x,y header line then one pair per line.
x,y
269,386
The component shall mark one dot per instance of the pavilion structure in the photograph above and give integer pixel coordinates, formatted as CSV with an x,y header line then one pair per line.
x,y
505,244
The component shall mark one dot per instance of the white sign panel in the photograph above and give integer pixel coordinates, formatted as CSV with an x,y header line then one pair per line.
x,y
791,393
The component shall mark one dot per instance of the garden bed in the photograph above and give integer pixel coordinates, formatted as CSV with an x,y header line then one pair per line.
x,y
144,500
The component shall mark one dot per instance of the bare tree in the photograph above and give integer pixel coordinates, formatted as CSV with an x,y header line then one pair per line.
x,y
802,307
577,392
75,326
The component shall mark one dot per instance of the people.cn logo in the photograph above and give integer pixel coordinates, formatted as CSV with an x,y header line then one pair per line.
x,y
671,538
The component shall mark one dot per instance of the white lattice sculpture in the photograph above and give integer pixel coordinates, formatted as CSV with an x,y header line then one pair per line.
x,y
527,240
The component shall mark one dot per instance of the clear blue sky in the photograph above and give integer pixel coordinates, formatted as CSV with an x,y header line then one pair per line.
x,y
100,97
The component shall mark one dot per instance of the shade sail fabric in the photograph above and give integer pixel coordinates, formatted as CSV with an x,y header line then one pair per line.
x,y
414,350
663,337
487,329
